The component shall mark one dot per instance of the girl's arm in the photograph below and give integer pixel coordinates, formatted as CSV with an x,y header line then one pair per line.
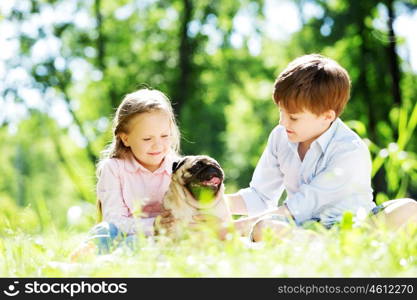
x,y
114,209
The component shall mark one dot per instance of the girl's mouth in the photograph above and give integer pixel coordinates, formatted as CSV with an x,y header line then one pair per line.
x,y
154,153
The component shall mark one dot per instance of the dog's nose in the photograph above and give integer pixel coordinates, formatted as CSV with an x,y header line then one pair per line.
x,y
211,172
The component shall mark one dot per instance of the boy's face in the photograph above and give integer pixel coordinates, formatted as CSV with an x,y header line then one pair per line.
x,y
304,127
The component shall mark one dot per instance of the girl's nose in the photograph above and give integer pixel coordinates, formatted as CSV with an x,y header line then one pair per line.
x,y
157,144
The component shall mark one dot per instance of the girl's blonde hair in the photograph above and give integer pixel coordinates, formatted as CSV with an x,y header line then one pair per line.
x,y
141,101
133,104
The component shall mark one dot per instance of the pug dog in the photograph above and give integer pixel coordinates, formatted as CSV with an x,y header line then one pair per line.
x,y
196,188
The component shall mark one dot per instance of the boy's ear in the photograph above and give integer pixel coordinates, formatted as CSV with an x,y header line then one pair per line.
x,y
330,115
125,139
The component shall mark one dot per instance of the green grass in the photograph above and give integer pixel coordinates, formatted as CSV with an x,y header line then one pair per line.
x,y
340,252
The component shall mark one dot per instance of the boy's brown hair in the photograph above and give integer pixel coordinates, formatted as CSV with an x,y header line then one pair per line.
x,y
314,83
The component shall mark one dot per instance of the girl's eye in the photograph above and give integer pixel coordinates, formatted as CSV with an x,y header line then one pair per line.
x,y
164,136
147,139
293,119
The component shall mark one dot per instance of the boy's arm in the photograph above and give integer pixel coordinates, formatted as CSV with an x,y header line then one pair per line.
x,y
266,185
344,184
236,204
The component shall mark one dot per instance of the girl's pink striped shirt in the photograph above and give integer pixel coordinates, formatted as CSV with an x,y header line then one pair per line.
x,y
125,186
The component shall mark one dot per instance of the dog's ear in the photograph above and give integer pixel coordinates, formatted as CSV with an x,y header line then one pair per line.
x,y
177,164
174,166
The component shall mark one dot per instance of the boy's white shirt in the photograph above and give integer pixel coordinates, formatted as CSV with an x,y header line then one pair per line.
x,y
335,176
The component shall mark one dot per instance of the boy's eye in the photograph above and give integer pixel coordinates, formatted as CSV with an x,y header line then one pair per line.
x,y
147,139
293,119
164,136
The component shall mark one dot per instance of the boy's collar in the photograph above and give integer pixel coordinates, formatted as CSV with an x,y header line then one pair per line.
x,y
325,138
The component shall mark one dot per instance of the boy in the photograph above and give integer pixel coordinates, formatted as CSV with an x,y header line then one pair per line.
x,y
324,166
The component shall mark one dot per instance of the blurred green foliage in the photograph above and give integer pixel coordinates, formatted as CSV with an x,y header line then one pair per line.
x,y
79,58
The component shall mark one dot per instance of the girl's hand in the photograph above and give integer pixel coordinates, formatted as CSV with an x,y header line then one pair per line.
x,y
164,223
152,209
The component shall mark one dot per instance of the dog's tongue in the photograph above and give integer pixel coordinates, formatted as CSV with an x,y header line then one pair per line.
x,y
213,181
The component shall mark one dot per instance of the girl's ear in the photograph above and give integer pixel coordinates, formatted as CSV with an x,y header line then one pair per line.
x,y
125,139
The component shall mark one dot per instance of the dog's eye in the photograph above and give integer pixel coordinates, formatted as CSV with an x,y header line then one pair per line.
x,y
197,167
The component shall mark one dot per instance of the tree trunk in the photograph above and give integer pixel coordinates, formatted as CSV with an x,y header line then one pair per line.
x,y
185,57
100,37
392,55
365,55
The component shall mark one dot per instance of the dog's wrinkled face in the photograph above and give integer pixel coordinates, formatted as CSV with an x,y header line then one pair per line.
x,y
201,175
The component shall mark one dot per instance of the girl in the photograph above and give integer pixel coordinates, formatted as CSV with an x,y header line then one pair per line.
x,y
136,170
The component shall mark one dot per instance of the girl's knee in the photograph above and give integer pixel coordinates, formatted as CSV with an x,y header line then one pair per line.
x,y
104,229
103,235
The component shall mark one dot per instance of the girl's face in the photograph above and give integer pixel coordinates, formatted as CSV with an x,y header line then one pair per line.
x,y
149,138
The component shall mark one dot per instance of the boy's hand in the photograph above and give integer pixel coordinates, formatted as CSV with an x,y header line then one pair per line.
x,y
244,225
213,222
206,218
236,204
164,222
